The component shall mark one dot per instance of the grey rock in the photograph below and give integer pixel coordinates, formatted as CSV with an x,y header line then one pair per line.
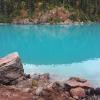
x,y
97,91
11,69
90,92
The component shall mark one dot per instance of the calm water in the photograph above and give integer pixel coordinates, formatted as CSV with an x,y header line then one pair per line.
x,y
62,50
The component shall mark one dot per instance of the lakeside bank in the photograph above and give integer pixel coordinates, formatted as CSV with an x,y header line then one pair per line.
x,y
40,87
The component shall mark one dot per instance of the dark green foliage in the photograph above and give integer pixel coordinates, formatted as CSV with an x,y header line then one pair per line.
x,y
87,9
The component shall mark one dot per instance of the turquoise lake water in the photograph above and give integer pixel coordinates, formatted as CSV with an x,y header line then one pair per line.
x,y
62,50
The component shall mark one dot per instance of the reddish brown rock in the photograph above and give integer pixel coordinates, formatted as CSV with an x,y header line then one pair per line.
x,y
11,69
70,98
8,93
77,93
24,84
77,82
54,95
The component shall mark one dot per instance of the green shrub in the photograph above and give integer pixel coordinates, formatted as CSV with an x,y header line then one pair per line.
x,y
5,19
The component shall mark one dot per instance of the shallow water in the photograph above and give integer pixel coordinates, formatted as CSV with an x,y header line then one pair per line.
x,y
89,70
62,50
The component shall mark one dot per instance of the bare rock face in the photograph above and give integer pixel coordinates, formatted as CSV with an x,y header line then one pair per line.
x,y
11,69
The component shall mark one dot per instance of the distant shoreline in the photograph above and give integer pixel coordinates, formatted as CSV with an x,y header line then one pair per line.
x,y
74,23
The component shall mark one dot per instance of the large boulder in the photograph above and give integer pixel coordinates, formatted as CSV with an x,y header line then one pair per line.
x,y
11,69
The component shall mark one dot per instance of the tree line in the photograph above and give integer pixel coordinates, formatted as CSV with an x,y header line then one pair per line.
x,y
11,8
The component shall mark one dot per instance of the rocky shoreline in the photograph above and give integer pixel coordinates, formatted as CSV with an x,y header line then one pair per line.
x,y
58,15
16,85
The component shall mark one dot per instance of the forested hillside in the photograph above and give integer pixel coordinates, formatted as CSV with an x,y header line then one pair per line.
x,y
77,10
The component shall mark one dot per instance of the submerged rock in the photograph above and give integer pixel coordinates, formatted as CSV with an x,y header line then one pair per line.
x,y
11,69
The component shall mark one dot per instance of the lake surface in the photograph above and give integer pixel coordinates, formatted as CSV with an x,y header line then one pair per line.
x,y
62,50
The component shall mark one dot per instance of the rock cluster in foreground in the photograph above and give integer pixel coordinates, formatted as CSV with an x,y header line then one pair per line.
x,y
15,85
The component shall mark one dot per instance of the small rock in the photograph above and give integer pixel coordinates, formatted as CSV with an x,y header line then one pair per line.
x,y
67,87
45,76
58,86
27,76
77,93
90,92
35,98
70,98
65,95
26,90
92,98
77,82
39,91
35,77
97,91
